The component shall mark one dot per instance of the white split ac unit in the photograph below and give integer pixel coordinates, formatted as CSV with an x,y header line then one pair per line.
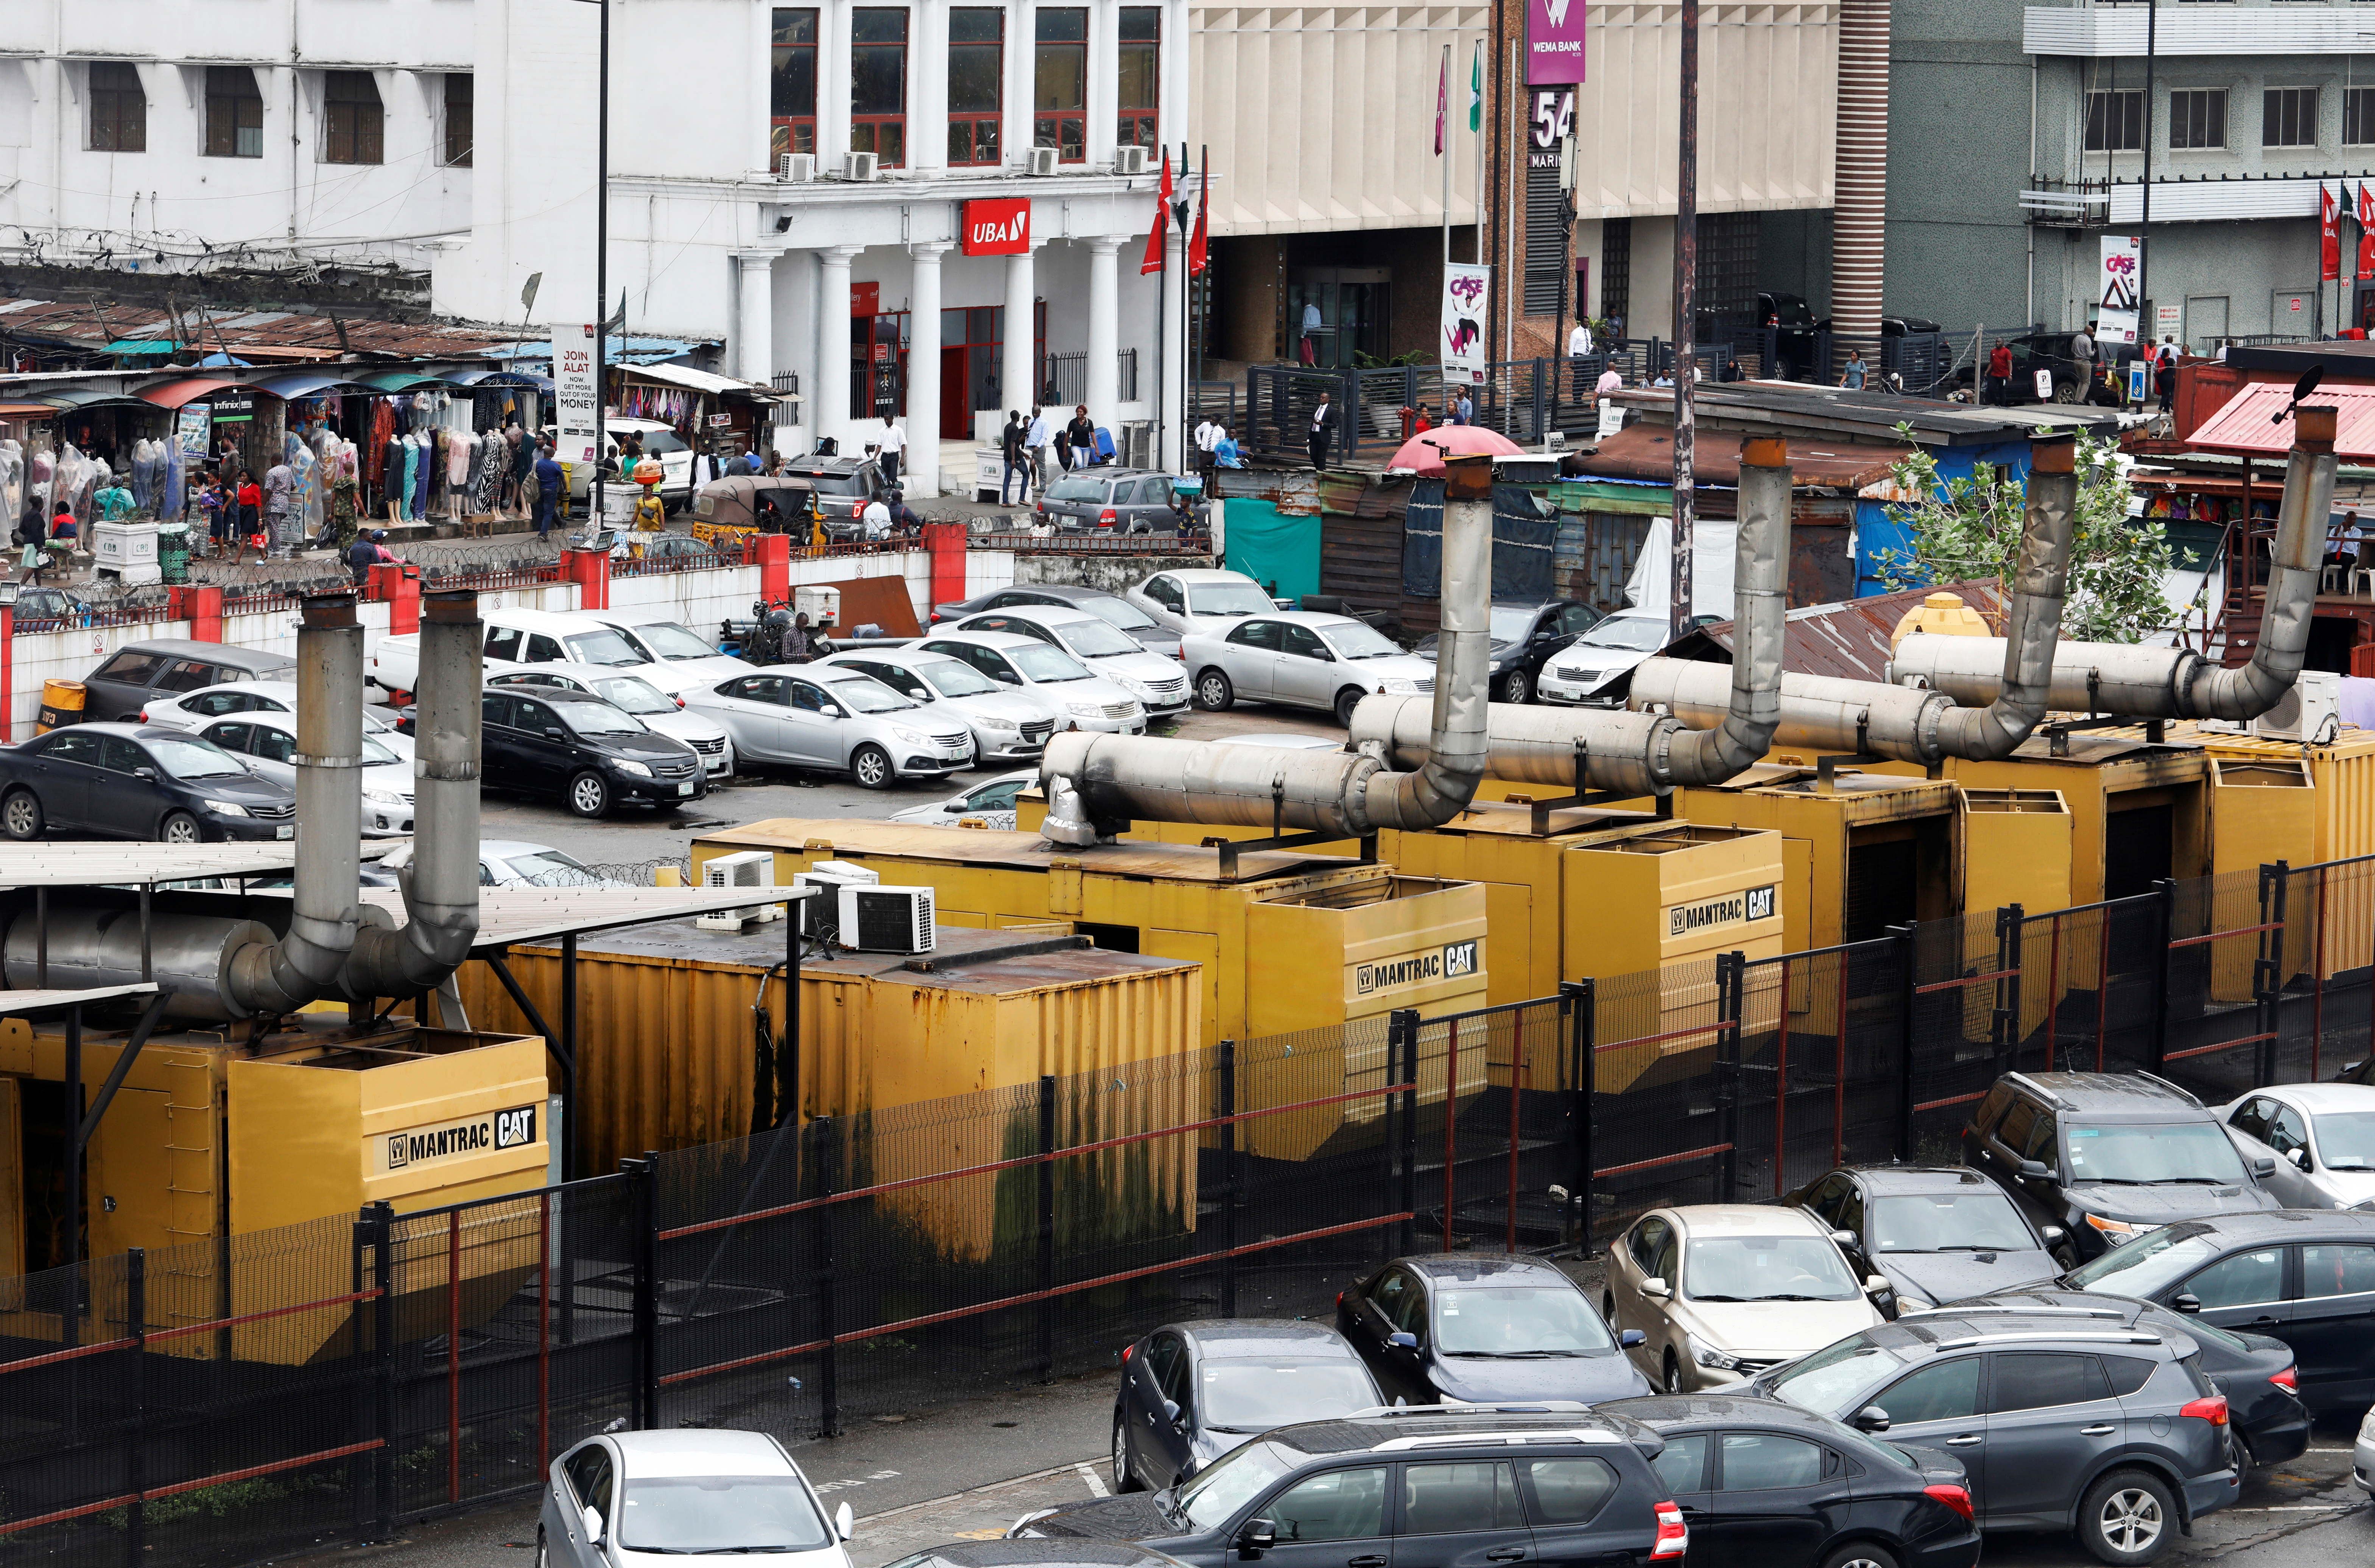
x,y
887,920
1043,160
752,869
822,913
1128,161
861,166
2311,713
798,168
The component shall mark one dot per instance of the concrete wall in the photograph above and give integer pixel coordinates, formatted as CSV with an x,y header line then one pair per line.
x,y
1957,159
1114,573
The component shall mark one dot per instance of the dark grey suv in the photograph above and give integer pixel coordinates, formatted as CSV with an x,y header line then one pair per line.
x,y
2064,1421
1113,501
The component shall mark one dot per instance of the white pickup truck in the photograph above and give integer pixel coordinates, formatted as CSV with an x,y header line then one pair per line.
x,y
515,638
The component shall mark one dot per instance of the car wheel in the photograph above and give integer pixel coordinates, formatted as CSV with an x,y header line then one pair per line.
x,y
1213,692
589,794
22,815
2125,1518
1516,686
2068,392
543,1558
870,766
1862,1554
1608,1308
180,827
1124,1478
1346,700
1674,1379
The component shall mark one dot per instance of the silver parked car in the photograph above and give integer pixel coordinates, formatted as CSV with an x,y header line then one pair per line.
x,y
1586,671
1200,599
1008,726
635,695
1302,659
2321,1136
267,744
823,717
1159,684
1085,700
637,1497
992,802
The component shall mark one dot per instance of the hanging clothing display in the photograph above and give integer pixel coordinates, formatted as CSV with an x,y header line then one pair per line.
x,y
414,474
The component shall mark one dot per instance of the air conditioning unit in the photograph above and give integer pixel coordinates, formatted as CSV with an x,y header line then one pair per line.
x,y
1043,160
861,166
752,869
2311,713
887,920
1128,161
821,914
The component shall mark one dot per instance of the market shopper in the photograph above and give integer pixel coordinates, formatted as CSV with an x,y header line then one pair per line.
x,y
1852,377
279,485
547,489
1999,375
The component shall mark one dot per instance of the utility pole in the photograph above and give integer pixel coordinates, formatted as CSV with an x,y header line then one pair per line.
x,y
1686,267
2144,229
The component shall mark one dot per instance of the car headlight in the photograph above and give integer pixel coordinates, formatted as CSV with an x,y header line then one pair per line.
x,y
1911,1304
1085,710
384,798
226,808
629,765
1396,686
1709,1356
1007,724
912,738
2118,1231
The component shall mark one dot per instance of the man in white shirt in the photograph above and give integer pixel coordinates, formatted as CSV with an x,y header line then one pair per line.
x,y
1207,436
892,442
1579,342
876,519
1036,440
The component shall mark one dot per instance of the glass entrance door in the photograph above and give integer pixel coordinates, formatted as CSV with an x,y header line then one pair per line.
x,y
1339,316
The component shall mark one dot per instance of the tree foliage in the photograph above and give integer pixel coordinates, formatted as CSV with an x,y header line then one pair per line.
x,y
1970,529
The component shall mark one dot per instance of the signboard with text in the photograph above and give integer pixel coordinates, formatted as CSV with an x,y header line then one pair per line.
x,y
2115,320
573,393
998,226
1465,291
1555,43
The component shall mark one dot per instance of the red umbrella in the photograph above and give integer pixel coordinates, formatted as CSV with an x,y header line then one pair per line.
x,y
1422,454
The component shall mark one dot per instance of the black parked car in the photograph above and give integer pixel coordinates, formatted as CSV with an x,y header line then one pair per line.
x,y
591,754
137,782
2255,1372
1450,1488
1525,634
2108,1156
2067,1423
1937,1235
1763,1484
1192,1391
120,687
2304,1275
1107,607
1477,1327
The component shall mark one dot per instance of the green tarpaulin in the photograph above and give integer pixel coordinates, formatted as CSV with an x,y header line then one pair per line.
x,y
1272,548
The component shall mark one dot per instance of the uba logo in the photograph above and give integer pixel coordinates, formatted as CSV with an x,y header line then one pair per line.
x,y
999,227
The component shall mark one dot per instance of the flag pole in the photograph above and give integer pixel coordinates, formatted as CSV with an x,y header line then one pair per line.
x,y
1443,145
1476,127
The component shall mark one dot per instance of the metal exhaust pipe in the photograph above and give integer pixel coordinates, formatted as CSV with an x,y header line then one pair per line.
x,y
2034,623
2291,601
1711,756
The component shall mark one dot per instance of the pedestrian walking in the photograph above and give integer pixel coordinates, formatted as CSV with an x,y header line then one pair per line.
x,y
1323,422
1038,438
1999,375
1011,446
547,489
1853,378
248,518
279,485
893,443
1578,349
2164,374
1083,434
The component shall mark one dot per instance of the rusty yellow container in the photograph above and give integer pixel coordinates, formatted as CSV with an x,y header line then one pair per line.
x,y
2017,849
2341,773
2137,811
1031,809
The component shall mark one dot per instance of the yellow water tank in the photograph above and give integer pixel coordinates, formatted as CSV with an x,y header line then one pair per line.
x,y
1939,615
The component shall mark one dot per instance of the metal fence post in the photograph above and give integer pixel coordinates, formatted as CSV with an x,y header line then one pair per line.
x,y
1404,1021
1046,1229
381,1216
1228,1111
1731,996
136,1453
2268,973
826,1131
1576,996
643,1407
2164,906
1905,998
2005,1031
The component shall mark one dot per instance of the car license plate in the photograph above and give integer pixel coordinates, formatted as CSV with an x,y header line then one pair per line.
x,y
684,789
285,831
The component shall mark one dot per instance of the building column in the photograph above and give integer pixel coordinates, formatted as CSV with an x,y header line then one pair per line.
x,y
924,369
1104,95
1171,399
831,399
1860,211
755,324
1022,51
927,108
832,84
1105,314
1018,358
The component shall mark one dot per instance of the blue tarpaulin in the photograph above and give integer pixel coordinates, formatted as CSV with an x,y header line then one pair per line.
x,y
1278,550
1523,528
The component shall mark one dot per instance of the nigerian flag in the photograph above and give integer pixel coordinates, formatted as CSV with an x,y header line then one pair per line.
x,y
1476,89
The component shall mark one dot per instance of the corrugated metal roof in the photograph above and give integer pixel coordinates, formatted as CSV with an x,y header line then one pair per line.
x,y
2254,423
528,915
1647,452
1848,640
83,326
73,864
1793,406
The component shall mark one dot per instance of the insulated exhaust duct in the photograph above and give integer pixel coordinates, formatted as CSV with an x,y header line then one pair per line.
x,y
1097,784
1869,718
2172,683
1639,753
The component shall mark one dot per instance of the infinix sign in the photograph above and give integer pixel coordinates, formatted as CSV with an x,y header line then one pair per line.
x,y
1732,909
486,1133
1454,961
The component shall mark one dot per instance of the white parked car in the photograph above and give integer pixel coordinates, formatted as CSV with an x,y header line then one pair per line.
x,y
1159,684
1200,599
659,440
629,1498
512,863
679,658
194,711
267,744
821,716
1301,659
1283,740
992,802
1581,674
1008,726
630,692
515,638
2321,1136
1085,700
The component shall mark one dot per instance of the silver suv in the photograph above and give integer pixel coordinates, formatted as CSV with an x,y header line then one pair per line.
x,y
2066,1420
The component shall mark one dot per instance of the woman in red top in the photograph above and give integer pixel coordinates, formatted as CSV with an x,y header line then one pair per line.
x,y
251,516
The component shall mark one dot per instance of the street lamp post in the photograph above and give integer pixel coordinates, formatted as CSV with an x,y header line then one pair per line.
x,y
7,662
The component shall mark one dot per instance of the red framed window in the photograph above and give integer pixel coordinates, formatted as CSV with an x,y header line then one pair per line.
x,y
877,84
1140,78
1059,79
977,84
792,83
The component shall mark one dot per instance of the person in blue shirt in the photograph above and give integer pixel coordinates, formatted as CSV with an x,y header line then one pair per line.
x,y
547,489
1224,451
1852,377
1036,440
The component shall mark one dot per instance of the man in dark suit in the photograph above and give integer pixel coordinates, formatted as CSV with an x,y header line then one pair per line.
x,y
1323,424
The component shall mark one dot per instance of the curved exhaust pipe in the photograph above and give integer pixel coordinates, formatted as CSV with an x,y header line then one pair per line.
x,y
1097,784
1641,753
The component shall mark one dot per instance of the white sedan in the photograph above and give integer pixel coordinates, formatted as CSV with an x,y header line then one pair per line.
x,y
1008,726
193,710
648,1497
679,659
267,744
2321,1136
629,691
1302,659
992,802
1160,684
1085,700
512,863
1584,671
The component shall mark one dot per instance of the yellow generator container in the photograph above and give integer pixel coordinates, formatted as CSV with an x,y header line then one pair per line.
x,y
2342,777
2017,849
1031,809
2136,809
2262,810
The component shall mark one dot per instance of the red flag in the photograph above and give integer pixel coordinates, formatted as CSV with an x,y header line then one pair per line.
x,y
2366,231
1198,256
2329,239
1153,262
1442,99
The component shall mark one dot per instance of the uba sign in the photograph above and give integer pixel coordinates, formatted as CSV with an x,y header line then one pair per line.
x,y
1000,226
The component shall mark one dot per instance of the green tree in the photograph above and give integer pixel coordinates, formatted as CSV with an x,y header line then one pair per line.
x,y
1970,529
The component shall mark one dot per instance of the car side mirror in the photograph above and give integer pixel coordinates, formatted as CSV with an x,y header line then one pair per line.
x,y
592,1520
555,731
2054,1233
2036,1171
1845,1238
1170,1412
2299,1157
829,710
2265,1165
1258,1536
1877,1285
1872,1417
1630,1339
2186,1302
844,1524
1402,1341
1656,1287
148,773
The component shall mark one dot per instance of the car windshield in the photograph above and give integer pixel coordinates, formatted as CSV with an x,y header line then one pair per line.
x,y
719,1514
1227,598
1096,640
1635,633
2150,1264
2138,1153
1039,662
1358,640
2345,1139
1250,1395
670,640
1834,1381
1511,624
1077,488
954,678
376,719
635,694
1981,1221
600,718
1121,612
864,694
603,647
1214,1498
1766,1268
1516,1321
551,868
659,442
194,758
835,484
